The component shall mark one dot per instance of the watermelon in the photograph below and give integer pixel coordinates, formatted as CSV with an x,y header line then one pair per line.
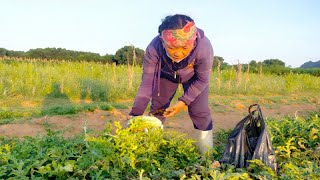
x,y
144,122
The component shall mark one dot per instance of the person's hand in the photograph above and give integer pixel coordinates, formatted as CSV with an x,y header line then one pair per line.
x,y
175,109
129,117
128,120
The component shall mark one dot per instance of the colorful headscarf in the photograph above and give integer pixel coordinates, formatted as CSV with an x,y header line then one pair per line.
x,y
180,37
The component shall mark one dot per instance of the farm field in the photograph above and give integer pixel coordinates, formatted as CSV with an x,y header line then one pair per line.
x,y
53,102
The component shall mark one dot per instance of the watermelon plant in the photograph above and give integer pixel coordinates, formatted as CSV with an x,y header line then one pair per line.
x,y
125,153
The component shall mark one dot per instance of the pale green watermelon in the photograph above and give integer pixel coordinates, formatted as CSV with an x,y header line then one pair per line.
x,y
144,122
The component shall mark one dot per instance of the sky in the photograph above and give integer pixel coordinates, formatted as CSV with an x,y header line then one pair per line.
x,y
244,30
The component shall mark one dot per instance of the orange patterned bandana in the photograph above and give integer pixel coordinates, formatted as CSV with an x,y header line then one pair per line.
x,y
180,37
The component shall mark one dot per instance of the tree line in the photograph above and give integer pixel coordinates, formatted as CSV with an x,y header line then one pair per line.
x,y
134,56
267,66
122,56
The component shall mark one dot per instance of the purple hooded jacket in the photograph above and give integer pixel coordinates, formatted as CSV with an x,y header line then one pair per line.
x,y
156,64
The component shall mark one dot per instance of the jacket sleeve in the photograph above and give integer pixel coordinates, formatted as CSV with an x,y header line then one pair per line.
x,y
203,70
144,94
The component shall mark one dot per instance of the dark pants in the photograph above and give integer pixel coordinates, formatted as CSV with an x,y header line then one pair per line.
x,y
199,111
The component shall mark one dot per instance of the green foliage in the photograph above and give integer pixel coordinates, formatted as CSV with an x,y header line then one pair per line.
x,y
155,154
311,71
59,110
125,55
273,62
220,139
122,155
103,82
297,146
267,84
281,70
258,170
57,53
97,90
9,53
10,114
51,156
223,65
106,107
254,66
276,67
78,80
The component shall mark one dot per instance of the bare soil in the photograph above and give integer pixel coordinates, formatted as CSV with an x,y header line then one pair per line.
x,y
73,124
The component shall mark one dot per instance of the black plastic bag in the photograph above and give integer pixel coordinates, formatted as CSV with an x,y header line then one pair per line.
x,y
250,140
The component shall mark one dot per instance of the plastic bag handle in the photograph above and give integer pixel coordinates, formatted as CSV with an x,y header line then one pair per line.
x,y
259,111
249,109
258,108
253,111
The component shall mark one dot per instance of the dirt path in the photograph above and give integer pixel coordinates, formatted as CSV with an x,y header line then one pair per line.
x,y
71,125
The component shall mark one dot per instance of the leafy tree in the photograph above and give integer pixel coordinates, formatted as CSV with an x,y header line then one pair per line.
x,y
274,66
60,53
107,58
253,63
223,64
9,53
3,52
254,66
215,61
125,55
273,62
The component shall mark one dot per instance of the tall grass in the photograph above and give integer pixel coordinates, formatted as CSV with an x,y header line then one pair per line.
x,y
78,80
265,84
96,81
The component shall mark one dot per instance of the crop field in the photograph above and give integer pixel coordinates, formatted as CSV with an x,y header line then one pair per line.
x,y
33,89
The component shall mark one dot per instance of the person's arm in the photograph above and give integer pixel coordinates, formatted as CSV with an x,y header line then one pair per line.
x,y
144,93
202,70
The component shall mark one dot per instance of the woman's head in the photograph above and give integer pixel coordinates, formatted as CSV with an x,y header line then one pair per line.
x,y
178,33
177,21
